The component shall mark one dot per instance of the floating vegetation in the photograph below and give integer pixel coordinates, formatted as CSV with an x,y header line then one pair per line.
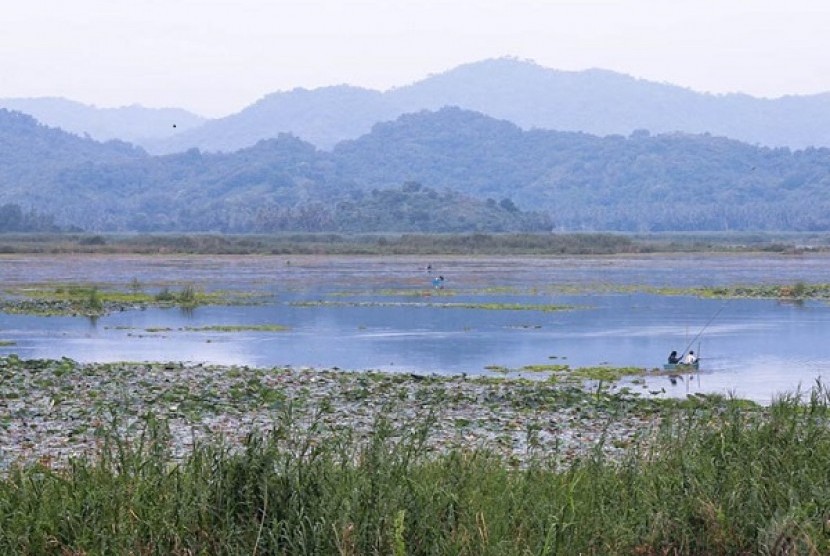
x,y
509,306
605,374
796,291
215,328
497,369
238,328
7,343
46,399
564,372
482,306
546,368
419,292
96,300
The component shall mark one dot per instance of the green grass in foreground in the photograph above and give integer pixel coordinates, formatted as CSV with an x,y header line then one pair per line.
x,y
715,479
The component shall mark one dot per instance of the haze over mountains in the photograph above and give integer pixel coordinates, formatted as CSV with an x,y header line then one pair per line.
x,y
598,102
134,124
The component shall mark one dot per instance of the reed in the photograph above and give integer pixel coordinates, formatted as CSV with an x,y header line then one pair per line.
x,y
718,477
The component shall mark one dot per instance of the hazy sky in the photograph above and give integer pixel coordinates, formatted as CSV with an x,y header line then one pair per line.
x,y
215,57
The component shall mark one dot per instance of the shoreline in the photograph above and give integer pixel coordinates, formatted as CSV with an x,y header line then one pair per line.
x,y
552,243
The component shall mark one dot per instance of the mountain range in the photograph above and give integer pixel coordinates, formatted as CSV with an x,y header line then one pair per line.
x,y
597,102
430,171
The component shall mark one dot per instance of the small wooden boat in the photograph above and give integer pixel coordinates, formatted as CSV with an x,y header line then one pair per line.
x,y
682,367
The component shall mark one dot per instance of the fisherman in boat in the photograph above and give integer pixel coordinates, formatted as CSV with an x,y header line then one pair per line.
x,y
674,359
690,358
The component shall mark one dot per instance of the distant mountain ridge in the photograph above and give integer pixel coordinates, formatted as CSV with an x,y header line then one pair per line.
x,y
598,102
322,117
447,170
134,124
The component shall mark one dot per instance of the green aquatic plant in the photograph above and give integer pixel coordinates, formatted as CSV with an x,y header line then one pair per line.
x,y
506,306
158,329
96,300
447,305
238,328
165,295
93,300
497,369
797,290
605,374
418,292
188,296
545,368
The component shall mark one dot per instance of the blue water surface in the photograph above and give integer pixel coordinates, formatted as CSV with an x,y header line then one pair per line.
x,y
382,313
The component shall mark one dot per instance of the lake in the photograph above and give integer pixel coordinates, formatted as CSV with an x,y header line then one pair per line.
x,y
383,313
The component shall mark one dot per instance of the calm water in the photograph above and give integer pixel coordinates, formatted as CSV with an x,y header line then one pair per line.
x,y
753,348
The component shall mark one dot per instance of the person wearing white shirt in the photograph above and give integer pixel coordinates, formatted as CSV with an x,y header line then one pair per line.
x,y
689,358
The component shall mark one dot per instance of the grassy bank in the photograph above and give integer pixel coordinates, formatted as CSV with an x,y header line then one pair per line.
x,y
91,300
572,243
716,477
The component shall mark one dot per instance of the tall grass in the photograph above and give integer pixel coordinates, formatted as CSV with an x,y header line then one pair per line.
x,y
716,478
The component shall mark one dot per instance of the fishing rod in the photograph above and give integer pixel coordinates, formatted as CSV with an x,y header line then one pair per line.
x,y
705,326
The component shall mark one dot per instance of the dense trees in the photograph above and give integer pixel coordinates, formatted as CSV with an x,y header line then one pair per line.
x,y
451,170
14,219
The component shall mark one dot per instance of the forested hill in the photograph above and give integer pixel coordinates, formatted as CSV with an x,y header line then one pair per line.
x,y
450,170
32,155
641,182
279,184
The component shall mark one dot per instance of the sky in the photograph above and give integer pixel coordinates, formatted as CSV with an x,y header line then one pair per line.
x,y
214,57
